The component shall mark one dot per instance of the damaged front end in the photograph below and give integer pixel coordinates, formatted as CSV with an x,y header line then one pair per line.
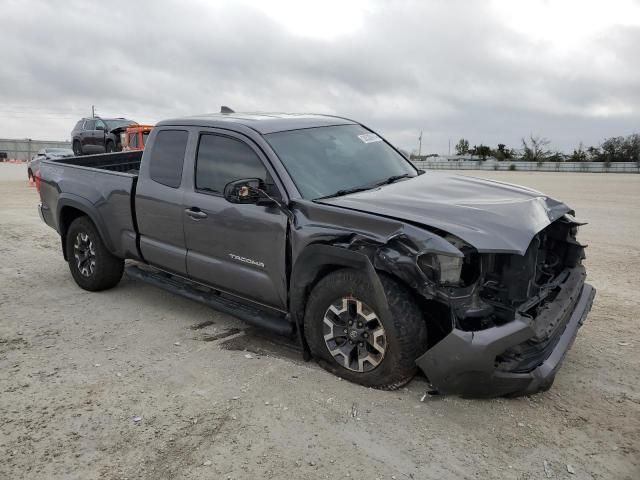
x,y
512,317
502,305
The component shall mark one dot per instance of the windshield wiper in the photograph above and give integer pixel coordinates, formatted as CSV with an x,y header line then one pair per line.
x,y
346,191
393,179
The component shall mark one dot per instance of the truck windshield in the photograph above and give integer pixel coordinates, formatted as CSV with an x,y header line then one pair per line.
x,y
330,161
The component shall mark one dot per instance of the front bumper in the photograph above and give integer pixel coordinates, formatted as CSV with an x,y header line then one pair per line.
x,y
469,363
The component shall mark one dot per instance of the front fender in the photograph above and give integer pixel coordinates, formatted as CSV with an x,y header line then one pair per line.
x,y
319,258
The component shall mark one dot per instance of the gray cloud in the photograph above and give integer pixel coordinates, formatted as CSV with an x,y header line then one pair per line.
x,y
451,68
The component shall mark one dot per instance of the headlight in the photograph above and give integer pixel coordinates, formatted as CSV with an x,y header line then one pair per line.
x,y
442,269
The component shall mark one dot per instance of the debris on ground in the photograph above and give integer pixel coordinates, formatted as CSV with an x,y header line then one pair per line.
x,y
137,419
248,355
570,469
354,410
207,463
547,469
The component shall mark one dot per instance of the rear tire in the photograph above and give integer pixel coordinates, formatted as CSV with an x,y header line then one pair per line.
x,y
92,266
77,148
380,351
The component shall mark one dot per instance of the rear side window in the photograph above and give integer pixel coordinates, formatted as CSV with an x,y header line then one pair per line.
x,y
79,125
89,125
167,157
222,160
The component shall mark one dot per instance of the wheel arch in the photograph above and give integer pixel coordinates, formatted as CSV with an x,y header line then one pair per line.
x,y
316,262
70,208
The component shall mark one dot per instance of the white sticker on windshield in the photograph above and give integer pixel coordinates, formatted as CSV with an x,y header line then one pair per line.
x,y
369,138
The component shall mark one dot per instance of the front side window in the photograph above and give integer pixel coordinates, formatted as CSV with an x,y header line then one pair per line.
x,y
101,123
326,160
221,160
167,157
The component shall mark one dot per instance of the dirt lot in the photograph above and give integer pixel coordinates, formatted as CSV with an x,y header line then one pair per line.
x,y
137,383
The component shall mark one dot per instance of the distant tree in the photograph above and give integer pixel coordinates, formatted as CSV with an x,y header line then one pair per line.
x,y
557,157
629,149
462,147
613,149
594,154
482,151
536,149
502,153
579,154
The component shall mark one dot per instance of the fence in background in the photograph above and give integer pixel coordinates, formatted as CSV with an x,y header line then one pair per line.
x,y
25,148
491,164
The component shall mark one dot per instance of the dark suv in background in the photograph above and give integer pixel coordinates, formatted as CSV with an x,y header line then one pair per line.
x,y
98,135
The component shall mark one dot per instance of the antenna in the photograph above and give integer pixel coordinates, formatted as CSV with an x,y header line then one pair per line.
x,y
225,109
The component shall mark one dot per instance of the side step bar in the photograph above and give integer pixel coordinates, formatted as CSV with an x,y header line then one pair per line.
x,y
219,301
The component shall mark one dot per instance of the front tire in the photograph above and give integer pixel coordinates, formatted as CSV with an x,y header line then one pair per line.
x,y
109,147
92,266
352,337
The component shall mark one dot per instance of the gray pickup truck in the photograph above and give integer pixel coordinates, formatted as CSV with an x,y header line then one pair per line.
x,y
316,227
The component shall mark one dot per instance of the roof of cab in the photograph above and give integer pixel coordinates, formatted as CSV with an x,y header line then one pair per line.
x,y
261,122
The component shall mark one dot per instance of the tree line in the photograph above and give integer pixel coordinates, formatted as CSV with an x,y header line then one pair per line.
x,y
537,149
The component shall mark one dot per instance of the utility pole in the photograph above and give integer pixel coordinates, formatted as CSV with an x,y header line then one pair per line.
x,y
449,147
420,144
93,111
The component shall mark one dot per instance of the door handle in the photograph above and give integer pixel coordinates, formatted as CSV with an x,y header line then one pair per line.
x,y
195,213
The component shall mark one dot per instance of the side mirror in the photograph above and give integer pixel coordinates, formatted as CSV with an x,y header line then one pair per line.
x,y
246,190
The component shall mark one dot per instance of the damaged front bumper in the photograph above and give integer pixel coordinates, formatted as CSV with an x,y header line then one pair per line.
x,y
473,363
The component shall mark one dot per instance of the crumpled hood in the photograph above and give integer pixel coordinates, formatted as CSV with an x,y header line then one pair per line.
x,y
491,216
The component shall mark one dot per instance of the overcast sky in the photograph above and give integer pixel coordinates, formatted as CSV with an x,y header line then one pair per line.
x,y
489,71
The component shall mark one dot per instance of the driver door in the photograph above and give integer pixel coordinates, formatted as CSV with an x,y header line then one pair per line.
x,y
237,248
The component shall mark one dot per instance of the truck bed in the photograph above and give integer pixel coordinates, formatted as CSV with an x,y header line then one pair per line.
x,y
125,162
102,186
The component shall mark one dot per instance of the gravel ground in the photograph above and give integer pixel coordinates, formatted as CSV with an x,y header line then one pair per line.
x,y
137,383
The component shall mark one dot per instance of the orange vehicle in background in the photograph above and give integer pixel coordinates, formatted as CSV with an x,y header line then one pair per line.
x,y
135,137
